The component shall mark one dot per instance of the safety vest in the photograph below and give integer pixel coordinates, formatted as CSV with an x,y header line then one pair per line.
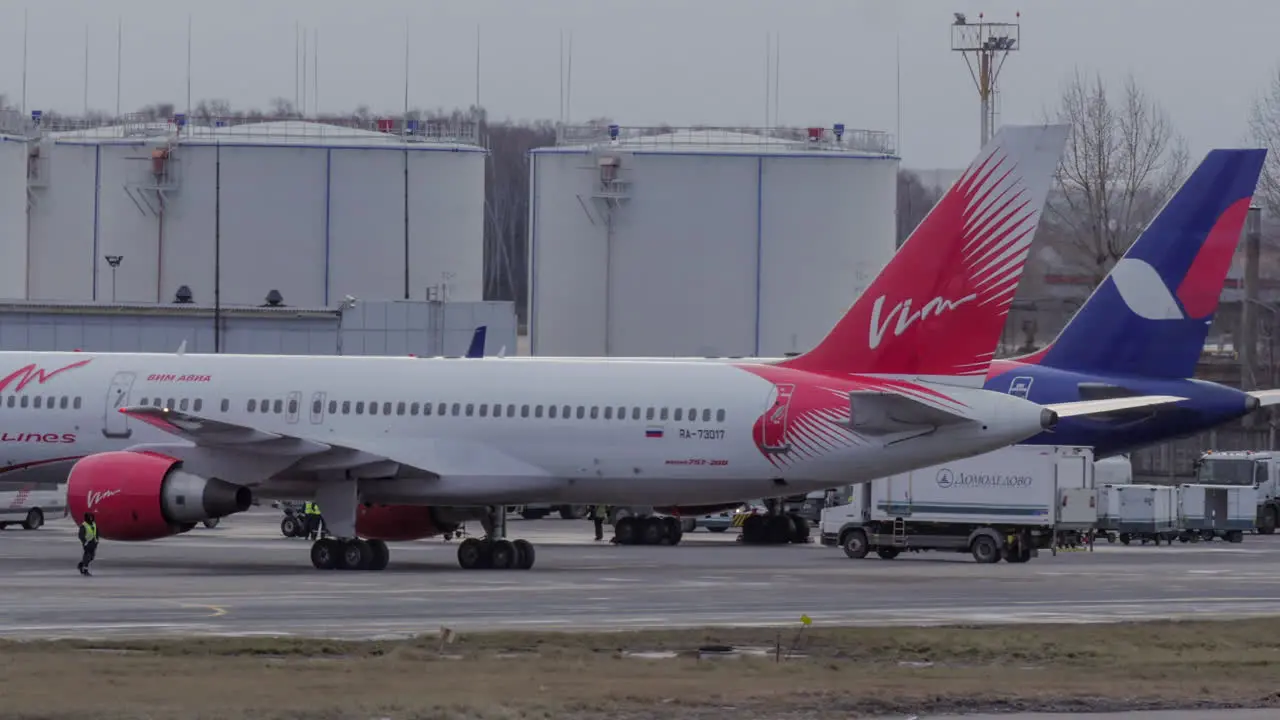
x,y
311,509
602,511
90,531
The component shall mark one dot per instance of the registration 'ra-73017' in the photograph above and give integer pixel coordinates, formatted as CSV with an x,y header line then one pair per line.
x,y
702,434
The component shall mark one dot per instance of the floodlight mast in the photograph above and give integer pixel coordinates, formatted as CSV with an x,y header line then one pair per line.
x,y
985,46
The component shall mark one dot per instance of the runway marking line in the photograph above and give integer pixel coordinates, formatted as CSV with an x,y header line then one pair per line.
x,y
217,610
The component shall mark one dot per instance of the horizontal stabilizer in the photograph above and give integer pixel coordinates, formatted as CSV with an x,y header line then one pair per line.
x,y
1266,397
879,412
1082,408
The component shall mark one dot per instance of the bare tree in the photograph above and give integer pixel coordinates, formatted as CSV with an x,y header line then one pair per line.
x,y
283,108
1122,162
1264,130
212,109
915,200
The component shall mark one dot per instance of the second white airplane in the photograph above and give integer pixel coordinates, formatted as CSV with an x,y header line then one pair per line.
x,y
405,448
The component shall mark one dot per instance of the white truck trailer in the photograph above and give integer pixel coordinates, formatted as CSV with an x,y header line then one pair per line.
x,y
1007,504
1246,468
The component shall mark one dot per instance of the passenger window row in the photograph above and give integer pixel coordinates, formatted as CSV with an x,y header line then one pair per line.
x,y
511,410
278,406
43,402
183,404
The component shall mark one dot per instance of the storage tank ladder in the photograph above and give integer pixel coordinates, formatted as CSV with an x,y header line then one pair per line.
x,y
899,532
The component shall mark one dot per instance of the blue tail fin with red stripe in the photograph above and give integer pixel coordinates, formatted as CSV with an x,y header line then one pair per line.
x,y
1151,314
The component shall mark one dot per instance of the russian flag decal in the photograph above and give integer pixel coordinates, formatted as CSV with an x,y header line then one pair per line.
x,y
653,432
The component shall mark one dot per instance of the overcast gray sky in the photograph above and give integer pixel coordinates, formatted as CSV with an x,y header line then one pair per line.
x,y
644,62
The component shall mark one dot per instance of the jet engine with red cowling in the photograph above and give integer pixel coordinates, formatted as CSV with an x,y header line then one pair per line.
x,y
146,496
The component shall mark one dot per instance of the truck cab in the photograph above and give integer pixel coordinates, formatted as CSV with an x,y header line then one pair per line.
x,y
1245,468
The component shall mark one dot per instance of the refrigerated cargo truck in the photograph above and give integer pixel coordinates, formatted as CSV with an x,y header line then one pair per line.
x,y
1243,469
1008,504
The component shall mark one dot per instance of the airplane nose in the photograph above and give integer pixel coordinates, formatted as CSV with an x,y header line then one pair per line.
x,y
1048,419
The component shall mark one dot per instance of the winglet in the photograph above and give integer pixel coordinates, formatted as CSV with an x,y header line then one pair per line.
x,y
182,349
939,306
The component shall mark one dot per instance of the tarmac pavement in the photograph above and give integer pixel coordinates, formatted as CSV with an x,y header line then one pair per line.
x,y
244,578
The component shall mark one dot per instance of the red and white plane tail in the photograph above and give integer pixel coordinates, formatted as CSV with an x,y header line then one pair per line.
x,y
938,308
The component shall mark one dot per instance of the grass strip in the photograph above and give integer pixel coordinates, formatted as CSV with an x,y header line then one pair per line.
x,y
836,672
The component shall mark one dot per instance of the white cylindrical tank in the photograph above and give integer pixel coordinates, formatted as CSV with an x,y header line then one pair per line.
x,y
704,242
313,211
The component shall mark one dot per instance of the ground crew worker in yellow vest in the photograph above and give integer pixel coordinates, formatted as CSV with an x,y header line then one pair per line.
x,y
598,515
314,520
88,541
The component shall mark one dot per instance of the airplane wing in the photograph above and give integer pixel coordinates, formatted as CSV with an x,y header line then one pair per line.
x,y
223,448
1081,408
217,448
1266,397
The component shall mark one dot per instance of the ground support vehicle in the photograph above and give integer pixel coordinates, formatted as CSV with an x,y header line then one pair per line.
x,y
1146,513
1008,504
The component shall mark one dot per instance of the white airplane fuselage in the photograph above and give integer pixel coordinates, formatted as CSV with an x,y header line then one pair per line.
x,y
490,436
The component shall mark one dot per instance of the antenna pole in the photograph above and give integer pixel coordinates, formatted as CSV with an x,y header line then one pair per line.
x,y
315,71
406,70
477,67
297,63
24,62
568,83
897,92
119,56
302,111
768,72
777,75
188,67
86,70
561,111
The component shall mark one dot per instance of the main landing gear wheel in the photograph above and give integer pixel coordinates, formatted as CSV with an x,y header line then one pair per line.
x,y
353,554
632,530
495,551
775,530
476,554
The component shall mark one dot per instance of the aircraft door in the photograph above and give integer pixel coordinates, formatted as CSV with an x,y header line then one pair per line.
x,y
317,408
115,424
292,408
772,428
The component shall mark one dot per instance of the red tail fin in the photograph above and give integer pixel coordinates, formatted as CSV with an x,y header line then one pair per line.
x,y
939,306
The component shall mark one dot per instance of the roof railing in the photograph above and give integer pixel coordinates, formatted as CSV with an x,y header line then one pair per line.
x,y
836,137
205,126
